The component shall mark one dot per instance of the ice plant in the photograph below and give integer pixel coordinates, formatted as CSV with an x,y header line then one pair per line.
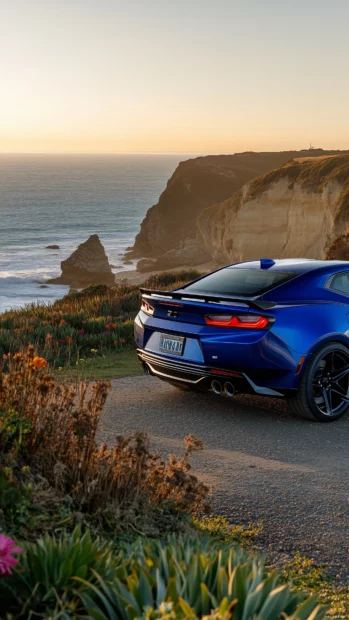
x,y
7,549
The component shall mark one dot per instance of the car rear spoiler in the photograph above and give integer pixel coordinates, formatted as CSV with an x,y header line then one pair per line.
x,y
206,298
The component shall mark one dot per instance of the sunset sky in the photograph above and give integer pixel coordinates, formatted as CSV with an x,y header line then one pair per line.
x,y
173,76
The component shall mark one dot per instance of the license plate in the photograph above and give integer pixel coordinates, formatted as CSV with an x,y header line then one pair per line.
x,y
173,344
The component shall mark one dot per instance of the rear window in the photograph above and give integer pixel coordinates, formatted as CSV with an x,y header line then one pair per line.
x,y
232,281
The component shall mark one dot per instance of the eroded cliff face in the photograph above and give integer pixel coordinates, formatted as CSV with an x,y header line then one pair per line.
x,y
297,210
196,185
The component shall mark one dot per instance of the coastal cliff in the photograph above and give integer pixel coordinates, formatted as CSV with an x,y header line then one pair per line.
x,y
187,225
297,210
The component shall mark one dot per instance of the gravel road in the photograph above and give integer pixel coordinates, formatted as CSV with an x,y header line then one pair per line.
x,y
261,462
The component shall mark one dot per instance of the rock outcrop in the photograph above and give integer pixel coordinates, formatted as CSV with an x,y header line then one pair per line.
x,y
297,210
339,250
87,265
169,234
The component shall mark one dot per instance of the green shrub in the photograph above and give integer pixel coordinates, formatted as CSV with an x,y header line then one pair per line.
x,y
183,578
11,493
13,429
45,581
16,509
220,528
198,576
95,321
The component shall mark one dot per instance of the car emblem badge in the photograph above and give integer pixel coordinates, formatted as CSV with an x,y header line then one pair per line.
x,y
172,313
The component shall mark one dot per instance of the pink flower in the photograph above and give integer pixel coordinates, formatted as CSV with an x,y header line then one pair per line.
x,y
107,332
81,332
7,549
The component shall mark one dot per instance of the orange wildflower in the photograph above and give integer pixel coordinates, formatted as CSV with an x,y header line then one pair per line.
x,y
38,362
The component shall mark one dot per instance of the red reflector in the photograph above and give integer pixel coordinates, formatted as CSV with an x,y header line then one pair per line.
x,y
249,321
300,364
147,308
225,372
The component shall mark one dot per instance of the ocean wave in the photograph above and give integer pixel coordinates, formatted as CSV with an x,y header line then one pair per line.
x,y
63,200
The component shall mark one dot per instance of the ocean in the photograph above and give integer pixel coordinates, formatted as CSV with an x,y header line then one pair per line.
x,y
62,199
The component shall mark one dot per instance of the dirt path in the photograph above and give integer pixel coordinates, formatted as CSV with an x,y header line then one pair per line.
x,y
262,463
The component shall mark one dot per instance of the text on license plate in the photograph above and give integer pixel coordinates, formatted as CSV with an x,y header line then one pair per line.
x,y
173,344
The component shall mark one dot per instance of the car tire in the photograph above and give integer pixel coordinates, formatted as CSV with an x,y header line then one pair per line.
x,y
313,401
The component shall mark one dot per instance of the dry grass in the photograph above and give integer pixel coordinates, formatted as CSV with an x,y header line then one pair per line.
x,y
52,428
312,173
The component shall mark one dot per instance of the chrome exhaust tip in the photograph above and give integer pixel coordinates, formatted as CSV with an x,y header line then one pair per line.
x,y
229,389
145,369
216,387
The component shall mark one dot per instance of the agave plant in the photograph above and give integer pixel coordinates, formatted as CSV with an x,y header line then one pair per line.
x,y
185,578
198,578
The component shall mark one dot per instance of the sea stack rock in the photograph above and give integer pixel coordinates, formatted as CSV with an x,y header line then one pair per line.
x,y
87,265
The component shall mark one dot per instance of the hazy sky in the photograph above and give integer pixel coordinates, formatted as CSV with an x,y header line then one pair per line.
x,y
178,75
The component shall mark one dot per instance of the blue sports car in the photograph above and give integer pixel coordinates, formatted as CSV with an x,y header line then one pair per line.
x,y
273,328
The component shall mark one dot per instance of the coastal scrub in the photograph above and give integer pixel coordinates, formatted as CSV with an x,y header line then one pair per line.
x,y
96,321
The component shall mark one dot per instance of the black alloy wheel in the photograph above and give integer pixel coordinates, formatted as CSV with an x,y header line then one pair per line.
x,y
324,390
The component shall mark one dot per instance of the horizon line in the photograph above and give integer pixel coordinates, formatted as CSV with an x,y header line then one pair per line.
x,y
197,153
115,152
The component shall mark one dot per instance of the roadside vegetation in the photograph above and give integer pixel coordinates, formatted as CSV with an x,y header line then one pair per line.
x,y
90,530
98,531
89,327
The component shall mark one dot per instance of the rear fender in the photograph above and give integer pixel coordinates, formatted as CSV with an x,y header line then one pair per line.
x,y
321,342
304,327
334,337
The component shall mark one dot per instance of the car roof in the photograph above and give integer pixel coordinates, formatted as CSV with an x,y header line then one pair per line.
x,y
295,265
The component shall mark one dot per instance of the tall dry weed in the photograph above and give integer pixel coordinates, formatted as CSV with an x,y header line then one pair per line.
x,y
62,446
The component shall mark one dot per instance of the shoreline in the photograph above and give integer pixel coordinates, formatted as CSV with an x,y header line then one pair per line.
x,y
131,276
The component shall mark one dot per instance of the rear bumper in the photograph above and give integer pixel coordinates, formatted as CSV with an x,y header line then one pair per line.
x,y
263,357
200,376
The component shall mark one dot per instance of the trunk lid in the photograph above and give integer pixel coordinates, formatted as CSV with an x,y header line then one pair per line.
x,y
179,306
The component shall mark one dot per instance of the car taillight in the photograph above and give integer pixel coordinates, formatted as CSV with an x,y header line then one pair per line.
x,y
147,308
250,321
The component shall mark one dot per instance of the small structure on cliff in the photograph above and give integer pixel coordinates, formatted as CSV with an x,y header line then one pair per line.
x,y
87,265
